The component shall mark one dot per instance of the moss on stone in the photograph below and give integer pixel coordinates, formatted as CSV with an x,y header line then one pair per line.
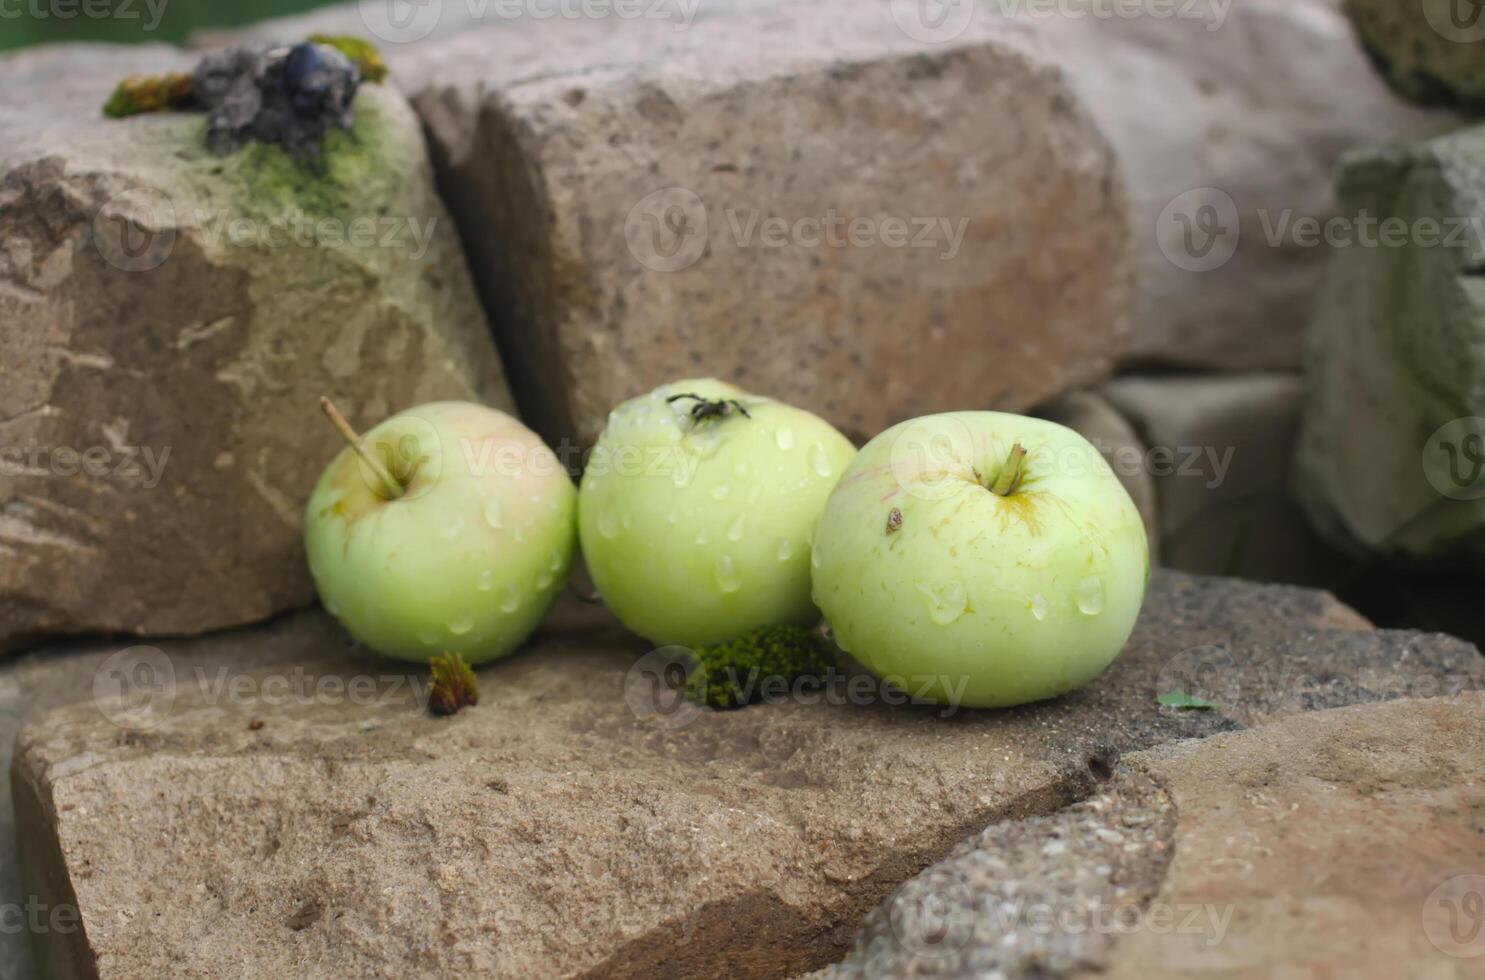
x,y
731,675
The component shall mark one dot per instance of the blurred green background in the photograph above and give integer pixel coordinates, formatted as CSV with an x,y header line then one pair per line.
x,y
26,22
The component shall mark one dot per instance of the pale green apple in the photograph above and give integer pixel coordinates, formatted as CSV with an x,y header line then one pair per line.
x,y
456,535
696,513
952,563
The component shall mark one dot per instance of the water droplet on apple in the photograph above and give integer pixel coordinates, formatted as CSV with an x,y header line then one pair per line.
x,y
543,579
786,549
428,638
555,565
608,524
702,537
1039,606
735,530
727,578
814,559
672,517
461,626
741,470
1089,596
819,461
946,601
755,493
720,491
492,513
512,600
453,529
841,642
486,580
784,438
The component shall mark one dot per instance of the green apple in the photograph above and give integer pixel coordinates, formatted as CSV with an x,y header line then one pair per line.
x,y
990,559
449,528
697,509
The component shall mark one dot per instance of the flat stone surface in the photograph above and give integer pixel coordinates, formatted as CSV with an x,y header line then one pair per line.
x,y
168,319
1335,842
1430,50
556,829
642,202
1388,459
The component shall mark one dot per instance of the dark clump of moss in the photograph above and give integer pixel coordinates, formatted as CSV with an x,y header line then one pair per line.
x,y
454,685
764,662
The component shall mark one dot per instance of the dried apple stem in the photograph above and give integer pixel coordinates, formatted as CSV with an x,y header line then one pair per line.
x,y
390,484
1010,474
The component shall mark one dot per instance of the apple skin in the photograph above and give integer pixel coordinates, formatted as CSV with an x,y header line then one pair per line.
x,y
468,560
697,531
1017,598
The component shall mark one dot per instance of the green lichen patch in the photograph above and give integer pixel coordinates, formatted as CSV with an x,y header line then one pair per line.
x,y
745,670
148,93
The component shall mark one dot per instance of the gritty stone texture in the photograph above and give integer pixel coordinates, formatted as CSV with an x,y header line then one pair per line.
x,y
556,830
1430,50
1383,463
165,308
1323,843
1095,418
631,198
1221,450
1189,102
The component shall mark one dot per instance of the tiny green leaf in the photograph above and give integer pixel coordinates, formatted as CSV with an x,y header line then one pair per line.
x,y
1182,701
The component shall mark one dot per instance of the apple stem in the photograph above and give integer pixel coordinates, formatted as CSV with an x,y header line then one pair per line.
x,y
390,483
1009,477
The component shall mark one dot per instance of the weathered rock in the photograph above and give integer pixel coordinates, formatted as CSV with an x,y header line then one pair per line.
x,y
1390,450
804,201
1220,450
168,319
1193,102
571,824
1332,842
1430,50
1092,416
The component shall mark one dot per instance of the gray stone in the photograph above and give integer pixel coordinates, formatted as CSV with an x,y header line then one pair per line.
x,y
631,196
174,315
1325,841
1430,50
1092,416
1192,102
1390,450
573,823
1220,450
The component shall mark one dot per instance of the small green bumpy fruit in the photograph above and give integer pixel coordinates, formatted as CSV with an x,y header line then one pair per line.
x,y
986,559
449,528
698,507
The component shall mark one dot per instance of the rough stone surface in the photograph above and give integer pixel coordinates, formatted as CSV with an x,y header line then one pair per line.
x,y
175,314
557,830
1221,453
1325,844
1190,102
1389,459
1430,50
632,195
1093,417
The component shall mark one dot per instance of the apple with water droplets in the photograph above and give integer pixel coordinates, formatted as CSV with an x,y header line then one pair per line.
x,y
981,558
697,509
448,528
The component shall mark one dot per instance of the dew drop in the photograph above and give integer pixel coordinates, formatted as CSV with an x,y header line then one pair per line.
x,y
784,437
819,462
512,600
702,537
1039,606
727,578
453,529
608,524
461,626
492,513
786,549
814,559
842,642
735,529
720,491
946,602
741,470
543,579
486,580
555,565
428,638
672,517
1089,596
